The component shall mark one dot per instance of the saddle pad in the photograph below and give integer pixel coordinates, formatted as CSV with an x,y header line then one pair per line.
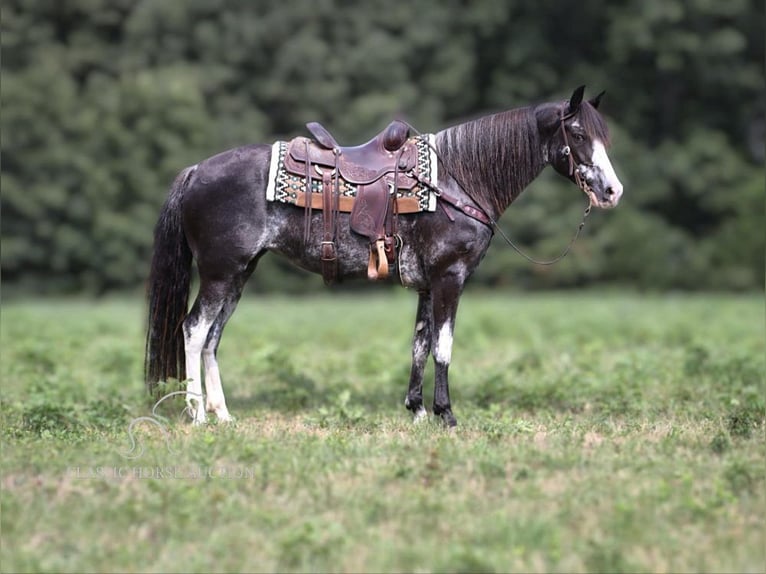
x,y
289,188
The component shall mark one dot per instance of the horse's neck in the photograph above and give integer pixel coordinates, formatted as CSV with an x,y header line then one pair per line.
x,y
495,157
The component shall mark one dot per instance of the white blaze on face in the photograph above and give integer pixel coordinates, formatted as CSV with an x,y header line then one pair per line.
x,y
601,161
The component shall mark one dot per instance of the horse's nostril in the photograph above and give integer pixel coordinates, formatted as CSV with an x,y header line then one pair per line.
x,y
609,191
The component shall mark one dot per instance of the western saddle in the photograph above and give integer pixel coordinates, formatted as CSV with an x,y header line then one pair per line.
x,y
378,170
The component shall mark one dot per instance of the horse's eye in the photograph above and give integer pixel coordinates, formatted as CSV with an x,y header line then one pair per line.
x,y
578,137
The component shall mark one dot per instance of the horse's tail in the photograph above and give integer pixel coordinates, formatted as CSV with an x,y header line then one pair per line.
x,y
168,291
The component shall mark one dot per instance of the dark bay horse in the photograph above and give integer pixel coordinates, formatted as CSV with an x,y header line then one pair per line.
x,y
217,214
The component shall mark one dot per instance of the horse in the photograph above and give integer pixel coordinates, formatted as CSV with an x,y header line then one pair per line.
x,y
216,214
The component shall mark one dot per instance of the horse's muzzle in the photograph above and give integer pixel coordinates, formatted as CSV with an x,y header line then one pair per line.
x,y
603,194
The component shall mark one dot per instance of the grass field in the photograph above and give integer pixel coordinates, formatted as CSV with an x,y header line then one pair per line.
x,y
597,432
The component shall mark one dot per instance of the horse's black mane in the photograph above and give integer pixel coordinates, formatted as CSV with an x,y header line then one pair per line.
x,y
495,157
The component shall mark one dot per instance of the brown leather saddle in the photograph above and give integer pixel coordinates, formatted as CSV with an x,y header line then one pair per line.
x,y
378,170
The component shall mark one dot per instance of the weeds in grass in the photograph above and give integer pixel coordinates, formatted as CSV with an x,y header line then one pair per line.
x,y
341,414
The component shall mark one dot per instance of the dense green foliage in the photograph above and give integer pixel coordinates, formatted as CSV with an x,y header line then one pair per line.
x,y
104,101
597,434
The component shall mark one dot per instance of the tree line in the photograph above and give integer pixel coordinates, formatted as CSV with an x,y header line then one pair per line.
x,y
104,101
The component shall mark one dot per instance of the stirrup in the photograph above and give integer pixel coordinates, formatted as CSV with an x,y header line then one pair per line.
x,y
377,267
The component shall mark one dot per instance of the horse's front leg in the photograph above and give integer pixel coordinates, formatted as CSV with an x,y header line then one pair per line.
x,y
421,348
445,295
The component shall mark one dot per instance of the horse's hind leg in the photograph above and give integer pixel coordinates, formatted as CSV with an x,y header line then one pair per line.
x,y
215,400
197,327
217,299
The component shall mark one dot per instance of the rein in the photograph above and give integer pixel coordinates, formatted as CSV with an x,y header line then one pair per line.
x,y
480,213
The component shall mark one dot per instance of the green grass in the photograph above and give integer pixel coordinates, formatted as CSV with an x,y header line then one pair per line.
x,y
598,432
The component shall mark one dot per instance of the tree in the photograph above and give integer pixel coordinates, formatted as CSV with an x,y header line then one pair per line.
x,y
104,101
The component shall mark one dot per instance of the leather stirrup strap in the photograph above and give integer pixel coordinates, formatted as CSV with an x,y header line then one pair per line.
x,y
308,195
330,206
392,219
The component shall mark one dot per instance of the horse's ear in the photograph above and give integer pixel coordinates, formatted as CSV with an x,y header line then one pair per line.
x,y
597,100
576,99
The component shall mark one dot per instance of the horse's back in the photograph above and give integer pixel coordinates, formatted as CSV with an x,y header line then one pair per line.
x,y
246,165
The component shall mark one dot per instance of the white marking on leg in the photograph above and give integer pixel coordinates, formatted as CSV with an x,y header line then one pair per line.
x,y
443,351
419,350
420,415
194,340
215,401
601,160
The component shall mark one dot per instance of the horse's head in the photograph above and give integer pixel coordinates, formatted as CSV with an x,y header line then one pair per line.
x,y
577,138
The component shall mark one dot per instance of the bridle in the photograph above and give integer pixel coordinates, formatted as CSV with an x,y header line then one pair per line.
x,y
573,169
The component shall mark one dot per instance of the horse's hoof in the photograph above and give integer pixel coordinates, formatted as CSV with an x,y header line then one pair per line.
x,y
199,421
221,413
448,419
419,415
